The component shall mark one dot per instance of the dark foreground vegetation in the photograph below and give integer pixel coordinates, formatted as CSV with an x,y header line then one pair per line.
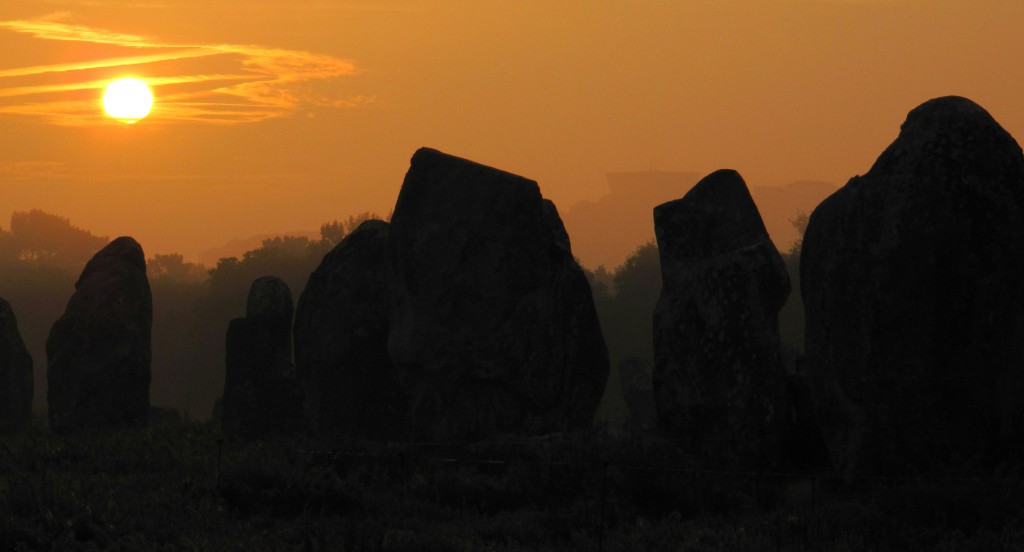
x,y
176,486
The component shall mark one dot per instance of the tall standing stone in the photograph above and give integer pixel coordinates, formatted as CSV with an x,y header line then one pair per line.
x,y
98,352
15,373
719,380
492,323
341,333
261,394
912,279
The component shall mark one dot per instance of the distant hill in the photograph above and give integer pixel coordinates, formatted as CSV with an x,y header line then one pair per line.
x,y
236,247
606,231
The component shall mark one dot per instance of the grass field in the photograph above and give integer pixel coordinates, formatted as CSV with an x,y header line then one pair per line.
x,y
175,486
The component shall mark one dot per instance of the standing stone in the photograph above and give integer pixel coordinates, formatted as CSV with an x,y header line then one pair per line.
x,y
636,375
912,281
15,373
98,352
719,381
261,394
341,333
492,323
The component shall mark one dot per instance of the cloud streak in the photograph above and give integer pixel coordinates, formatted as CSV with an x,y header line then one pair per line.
x,y
107,62
262,82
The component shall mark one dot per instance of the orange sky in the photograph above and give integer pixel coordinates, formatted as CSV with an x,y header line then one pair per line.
x,y
277,115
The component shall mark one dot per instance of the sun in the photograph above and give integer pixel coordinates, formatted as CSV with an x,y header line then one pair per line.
x,y
127,100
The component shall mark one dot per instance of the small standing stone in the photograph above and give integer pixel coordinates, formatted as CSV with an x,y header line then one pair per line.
x,y
341,334
636,375
15,373
261,394
98,353
719,380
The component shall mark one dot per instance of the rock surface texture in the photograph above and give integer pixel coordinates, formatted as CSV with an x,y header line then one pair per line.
x,y
15,373
912,280
261,394
341,333
98,352
492,326
719,381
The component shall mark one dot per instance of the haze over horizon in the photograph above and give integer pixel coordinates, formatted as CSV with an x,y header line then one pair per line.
x,y
274,117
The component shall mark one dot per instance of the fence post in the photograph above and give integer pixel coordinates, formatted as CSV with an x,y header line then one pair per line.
x,y
403,476
814,494
220,452
604,496
779,527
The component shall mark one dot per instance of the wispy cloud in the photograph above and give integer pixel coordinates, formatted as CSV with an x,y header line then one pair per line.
x,y
326,5
49,29
107,62
31,169
262,82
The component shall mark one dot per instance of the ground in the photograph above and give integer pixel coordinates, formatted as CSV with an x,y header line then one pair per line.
x,y
177,486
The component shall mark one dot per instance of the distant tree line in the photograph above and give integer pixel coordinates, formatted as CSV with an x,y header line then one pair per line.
x,y
42,255
191,315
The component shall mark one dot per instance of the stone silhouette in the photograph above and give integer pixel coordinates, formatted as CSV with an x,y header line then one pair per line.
x,y
341,332
719,379
261,393
98,352
636,376
492,326
912,279
15,373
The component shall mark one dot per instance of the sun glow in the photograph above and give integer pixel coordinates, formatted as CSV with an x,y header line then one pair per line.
x,y
127,100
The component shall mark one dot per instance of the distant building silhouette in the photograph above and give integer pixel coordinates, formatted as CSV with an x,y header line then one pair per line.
x,y
606,231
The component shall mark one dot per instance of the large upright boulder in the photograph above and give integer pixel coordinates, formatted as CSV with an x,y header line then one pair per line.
x,y
261,394
719,380
15,373
492,323
912,280
98,353
341,333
